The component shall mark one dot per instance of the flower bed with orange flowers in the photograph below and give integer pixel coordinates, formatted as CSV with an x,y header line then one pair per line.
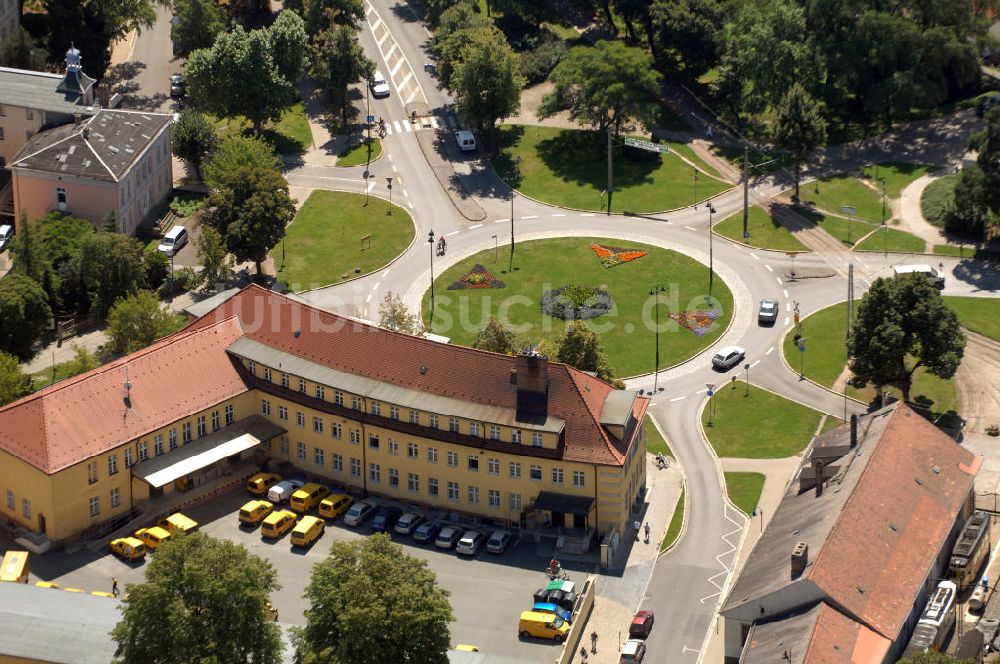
x,y
477,277
612,256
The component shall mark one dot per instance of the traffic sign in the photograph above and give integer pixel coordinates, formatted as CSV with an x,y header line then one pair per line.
x,y
711,393
802,348
795,316
371,119
648,146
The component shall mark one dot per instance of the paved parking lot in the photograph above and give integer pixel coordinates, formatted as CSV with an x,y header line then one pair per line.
x,y
488,592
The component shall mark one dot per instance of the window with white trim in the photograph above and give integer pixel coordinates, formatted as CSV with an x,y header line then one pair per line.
x,y
158,444
338,397
515,469
376,408
252,367
230,414
473,495
374,472
91,472
317,424
373,441
413,482
128,457
473,463
321,392
355,467
112,464
412,451
267,374
26,508
301,450
143,451
302,385
536,473
578,478
393,477
514,500
493,466
95,505
338,463
215,421
116,497
515,436
494,432
557,475
393,412
393,447
186,432
356,402
284,380
452,490
473,428
432,455
453,424
432,421
335,430
172,438
300,418
319,456
536,439
202,430
494,498
265,407
453,459
355,437
432,486
283,413
414,417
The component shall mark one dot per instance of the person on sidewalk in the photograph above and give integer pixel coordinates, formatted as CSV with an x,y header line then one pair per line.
x,y
114,586
646,529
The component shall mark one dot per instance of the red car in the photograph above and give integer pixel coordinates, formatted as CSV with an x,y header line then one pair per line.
x,y
641,625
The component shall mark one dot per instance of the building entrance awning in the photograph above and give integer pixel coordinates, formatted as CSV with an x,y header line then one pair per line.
x,y
235,438
560,502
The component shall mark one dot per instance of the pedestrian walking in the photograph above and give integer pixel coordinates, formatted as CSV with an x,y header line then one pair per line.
x,y
646,529
593,642
114,586
583,655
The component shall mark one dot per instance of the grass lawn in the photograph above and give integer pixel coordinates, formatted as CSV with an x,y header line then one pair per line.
x,y
358,154
744,490
759,426
323,243
655,443
847,231
936,198
765,231
685,151
893,239
568,168
709,76
627,331
979,314
966,251
831,423
832,193
47,377
676,522
289,135
897,175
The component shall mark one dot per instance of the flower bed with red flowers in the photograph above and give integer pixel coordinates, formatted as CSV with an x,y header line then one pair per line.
x,y
477,277
612,256
699,321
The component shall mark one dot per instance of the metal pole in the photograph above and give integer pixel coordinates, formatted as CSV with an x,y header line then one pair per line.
x,y
655,292
711,259
510,265
496,248
430,241
368,115
747,367
694,172
746,192
885,250
390,196
611,182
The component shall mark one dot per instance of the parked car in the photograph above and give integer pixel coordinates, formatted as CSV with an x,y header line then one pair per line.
x,y
633,652
308,497
172,242
360,512
408,523
308,530
767,313
499,541
128,548
6,233
448,537
426,532
466,140
470,543
728,356
385,519
253,512
334,505
543,626
152,537
278,523
554,609
642,625
177,89
261,482
283,490
379,86
178,523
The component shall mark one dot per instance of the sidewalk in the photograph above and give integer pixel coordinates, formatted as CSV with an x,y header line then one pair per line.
x,y
912,215
621,590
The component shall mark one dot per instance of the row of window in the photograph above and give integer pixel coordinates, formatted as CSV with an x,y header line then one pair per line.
x,y
142,448
95,502
375,408
12,504
473,461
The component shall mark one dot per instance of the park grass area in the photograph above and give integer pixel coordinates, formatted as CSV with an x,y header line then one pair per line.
x,y
358,154
966,251
979,314
898,175
676,523
893,239
289,135
734,155
765,231
710,76
685,150
627,332
655,442
831,423
568,168
52,375
744,490
752,423
323,245
847,231
831,194
937,198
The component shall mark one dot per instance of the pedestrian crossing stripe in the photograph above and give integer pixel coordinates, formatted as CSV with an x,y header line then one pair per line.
x,y
405,126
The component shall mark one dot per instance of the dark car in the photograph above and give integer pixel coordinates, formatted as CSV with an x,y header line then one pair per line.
x,y
385,519
426,532
177,86
641,625
767,313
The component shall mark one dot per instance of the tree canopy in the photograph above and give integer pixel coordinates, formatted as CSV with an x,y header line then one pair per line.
x,y
197,25
14,383
487,82
393,315
496,338
903,324
581,347
338,62
212,593
216,265
368,596
192,138
799,126
235,152
111,266
137,320
24,313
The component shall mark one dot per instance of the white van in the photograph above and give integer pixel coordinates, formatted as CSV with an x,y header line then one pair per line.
x,y
172,242
466,140
934,278
283,490
6,233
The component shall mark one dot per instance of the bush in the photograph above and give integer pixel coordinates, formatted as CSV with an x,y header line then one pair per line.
x,y
186,204
156,266
576,302
182,280
538,63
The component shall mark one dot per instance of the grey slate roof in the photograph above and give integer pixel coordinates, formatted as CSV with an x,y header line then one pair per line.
x,y
101,148
40,90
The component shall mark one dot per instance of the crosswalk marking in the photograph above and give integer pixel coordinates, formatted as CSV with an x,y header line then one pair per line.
x,y
405,126
408,125
395,123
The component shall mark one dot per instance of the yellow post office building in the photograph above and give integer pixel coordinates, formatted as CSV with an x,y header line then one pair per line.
x,y
263,380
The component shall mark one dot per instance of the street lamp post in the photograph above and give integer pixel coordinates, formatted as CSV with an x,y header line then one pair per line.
x,y
496,248
368,122
711,260
747,367
655,292
694,172
885,249
430,241
517,166
390,196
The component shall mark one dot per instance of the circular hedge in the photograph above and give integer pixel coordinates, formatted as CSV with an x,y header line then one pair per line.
x,y
576,302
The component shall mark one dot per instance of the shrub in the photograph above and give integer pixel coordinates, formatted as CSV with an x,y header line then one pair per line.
x,y
156,266
538,63
576,302
186,204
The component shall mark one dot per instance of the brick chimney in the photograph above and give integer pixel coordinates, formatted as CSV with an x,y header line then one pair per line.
x,y
800,558
531,380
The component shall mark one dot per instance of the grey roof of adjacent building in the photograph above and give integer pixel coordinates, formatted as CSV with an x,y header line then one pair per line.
x,y
102,147
768,642
386,392
39,90
617,408
202,307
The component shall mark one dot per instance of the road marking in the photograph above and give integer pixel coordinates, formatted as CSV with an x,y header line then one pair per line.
x,y
753,364
375,287
410,204
394,169
386,273
371,185
501,221
395,123
788,305
476,226
690,229
780,282
408,126
558,215
377,24
405,194
705,598
410,97
530,216
686,649
389,156
755,256
702,391
380,41
785,291
452,233
678,399
768,267
769,350
406,79
786,320
587,214
368,299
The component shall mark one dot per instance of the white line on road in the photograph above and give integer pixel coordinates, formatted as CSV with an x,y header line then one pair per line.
x,y
413,94
678,399
768,267
375,287
686,649
406,79
788,305
530,216
389,156
368,299
386,273
753,364
380,41
785,291
410,204
786,320
587,214
476,226
780,282
769,350
690,229
434,122
702,391
371,185
395,123
377,24
708,597
554,214
405,194
452,233
394,169
409,126
501,221
755,256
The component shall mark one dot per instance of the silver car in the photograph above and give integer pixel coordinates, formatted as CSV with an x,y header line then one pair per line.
x,y
728,356
768,311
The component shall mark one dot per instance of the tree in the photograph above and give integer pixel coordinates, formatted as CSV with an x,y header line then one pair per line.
x,y
435,8
799,126
934,657
393,315
235,152
580,347
14,383
197,25
216,265
687,35
204,600
193,137
487,83
155,266
338,62
289,45
496,338
111,267
321,15
605,86
24,313
137,320
29,258
451,47
903,324
367,597
83,361
20,52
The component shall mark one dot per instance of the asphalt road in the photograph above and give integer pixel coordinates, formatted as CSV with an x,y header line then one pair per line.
x,y
144,80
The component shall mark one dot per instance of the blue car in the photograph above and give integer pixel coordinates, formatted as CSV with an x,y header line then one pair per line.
x,y
426,532
545,607
385,519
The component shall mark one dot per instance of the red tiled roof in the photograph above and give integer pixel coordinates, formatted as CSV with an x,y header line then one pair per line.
x,y
421,364
837,639
86,415
886,539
